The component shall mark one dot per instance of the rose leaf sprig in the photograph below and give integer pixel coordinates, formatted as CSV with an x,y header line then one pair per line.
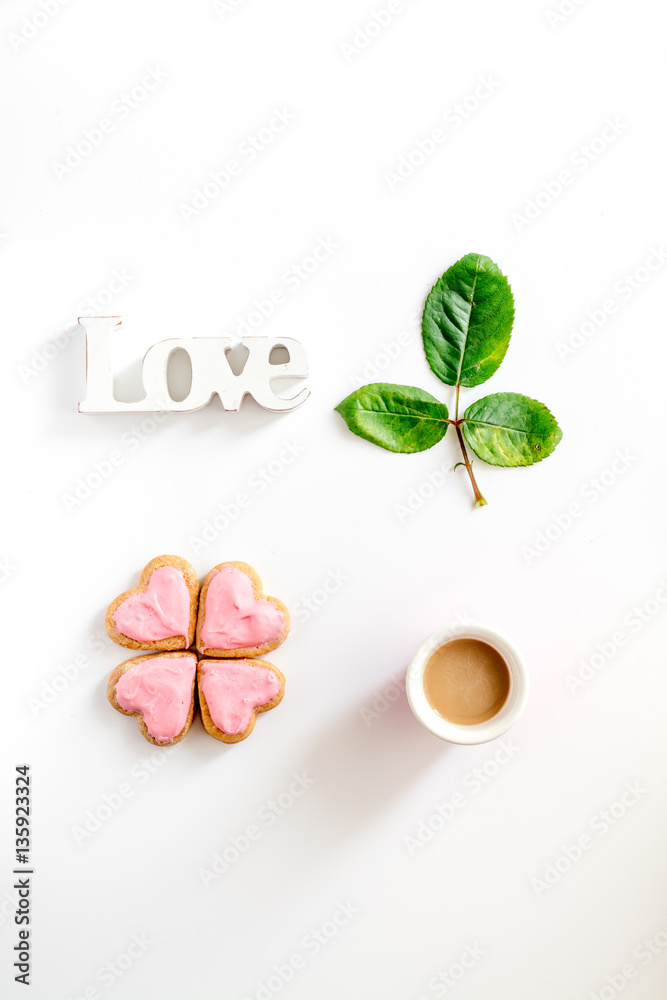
x,y
466,329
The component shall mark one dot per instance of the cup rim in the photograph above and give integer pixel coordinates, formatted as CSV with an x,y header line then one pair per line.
x,y
481,732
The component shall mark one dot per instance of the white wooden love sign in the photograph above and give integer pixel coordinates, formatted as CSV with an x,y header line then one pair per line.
x,y
211,372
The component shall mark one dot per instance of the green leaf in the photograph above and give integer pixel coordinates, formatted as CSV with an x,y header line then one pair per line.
x,y
396,417
509,429
467,321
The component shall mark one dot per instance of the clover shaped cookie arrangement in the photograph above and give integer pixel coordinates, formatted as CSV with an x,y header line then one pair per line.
x,y
231,623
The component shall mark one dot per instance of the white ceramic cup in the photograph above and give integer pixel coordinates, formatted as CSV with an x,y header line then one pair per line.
x,y
482,732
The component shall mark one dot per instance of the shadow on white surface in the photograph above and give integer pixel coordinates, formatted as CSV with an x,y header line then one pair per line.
x,y
366,769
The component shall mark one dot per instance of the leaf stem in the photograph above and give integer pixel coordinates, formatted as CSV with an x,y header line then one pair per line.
x,y
479,499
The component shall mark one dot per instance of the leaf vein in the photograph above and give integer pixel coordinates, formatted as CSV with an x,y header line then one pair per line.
x,y
465,340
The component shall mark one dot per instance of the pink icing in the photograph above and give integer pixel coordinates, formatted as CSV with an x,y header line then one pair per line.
x,y
161,690
233,688
160,612
234,618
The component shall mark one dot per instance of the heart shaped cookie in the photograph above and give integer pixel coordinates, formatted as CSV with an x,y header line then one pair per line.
x,y
161,613
235,617
233,692
160,691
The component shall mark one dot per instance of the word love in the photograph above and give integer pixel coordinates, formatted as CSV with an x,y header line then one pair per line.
x,y
211,372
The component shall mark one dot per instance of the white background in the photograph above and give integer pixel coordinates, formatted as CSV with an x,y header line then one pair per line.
x,y
336,511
